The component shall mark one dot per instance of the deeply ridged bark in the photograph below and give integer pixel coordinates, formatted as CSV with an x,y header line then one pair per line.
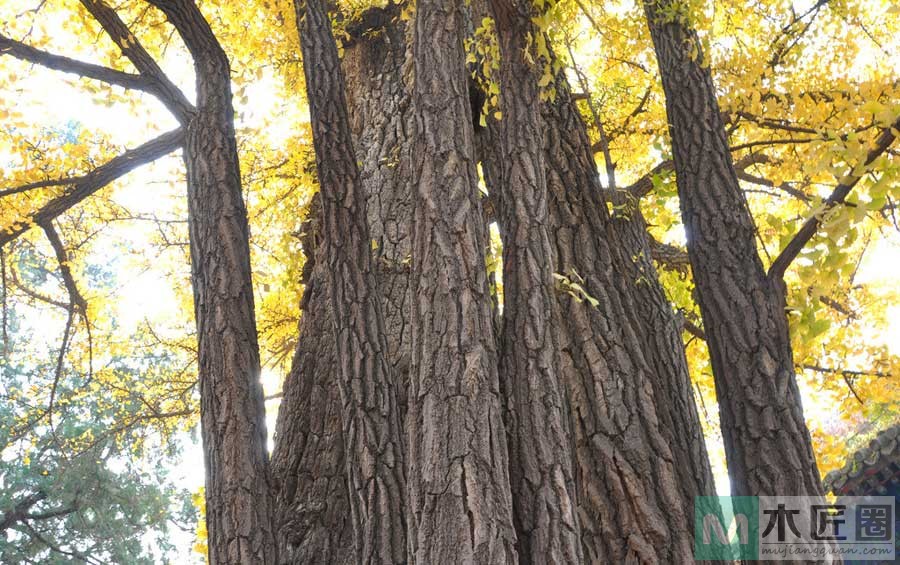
x,y
308,460
633,505
376,62
536,417
373,444
767,443
238,500
659,330
308,464
460,507
639,451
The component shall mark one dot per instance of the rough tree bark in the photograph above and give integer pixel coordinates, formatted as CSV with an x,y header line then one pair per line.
x,y
308,460
377,64
767,443
460,507
373,443
536,411
633,501
239,509
308,465
643,311
639,452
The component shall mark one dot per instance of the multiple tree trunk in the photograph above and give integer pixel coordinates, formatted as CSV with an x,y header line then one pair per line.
x,y
371,427
460,502
405,435
609,371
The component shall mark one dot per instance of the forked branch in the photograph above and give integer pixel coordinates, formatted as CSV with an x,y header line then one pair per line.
x,y
837,197
88,184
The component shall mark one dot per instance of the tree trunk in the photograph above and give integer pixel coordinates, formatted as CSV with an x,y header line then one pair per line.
x,y
376,62
238,503
308,464
308,460
633,502
371,428
660,331
766,440
639,451
460,507
536,417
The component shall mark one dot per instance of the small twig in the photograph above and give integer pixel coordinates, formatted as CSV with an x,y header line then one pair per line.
x,y
598,122
57,377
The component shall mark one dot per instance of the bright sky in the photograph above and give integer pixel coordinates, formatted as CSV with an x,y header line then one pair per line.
x,y
146,294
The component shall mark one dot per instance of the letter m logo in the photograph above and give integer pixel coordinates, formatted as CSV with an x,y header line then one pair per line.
x,y
726,528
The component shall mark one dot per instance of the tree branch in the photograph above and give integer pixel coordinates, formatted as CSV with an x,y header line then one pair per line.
x,y
169,94
848,372
809,228
56,513
761,181
670,256
14,279
20,510
690,327
644,185
75,297
598,122
192,27
25,52
86,185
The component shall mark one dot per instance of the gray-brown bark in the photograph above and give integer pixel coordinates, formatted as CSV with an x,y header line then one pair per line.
x,y
460,507
633,503
377,63
659,330
373,444
766,440
308,460
536,416
308,464
239,508
644,313
639,451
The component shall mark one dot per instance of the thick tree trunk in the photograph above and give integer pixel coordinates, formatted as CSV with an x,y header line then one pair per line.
x,y
639,451
645,313
238,500
376,62
766,440
308,460
633,503
373,443
308,464
460,507
536,417
660,331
